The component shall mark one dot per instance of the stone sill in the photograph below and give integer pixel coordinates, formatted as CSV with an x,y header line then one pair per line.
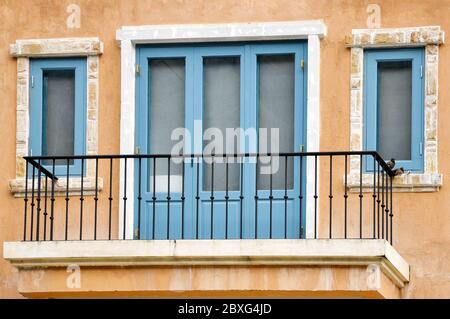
x,y
408,183
17,186
122,253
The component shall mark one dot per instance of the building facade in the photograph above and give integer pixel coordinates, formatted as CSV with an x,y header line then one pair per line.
x,y
121,177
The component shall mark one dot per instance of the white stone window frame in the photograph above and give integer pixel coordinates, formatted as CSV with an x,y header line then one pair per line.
x,y
428,37
129,36
24,50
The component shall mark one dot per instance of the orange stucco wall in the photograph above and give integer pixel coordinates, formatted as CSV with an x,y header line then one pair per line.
x,y
422,220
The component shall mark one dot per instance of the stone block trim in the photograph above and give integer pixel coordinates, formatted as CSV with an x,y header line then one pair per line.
x,y
91,48
429,37
56,47
420,36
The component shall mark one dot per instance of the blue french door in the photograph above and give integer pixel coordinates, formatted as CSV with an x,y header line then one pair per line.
x,y
212,90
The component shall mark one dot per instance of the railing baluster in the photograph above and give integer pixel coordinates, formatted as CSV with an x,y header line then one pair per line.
x,y
81,198
67,200
168,198
285,196
38,210
374,195
52,201
331,197
382,204
182,199
345,196
300,197
139,198
212,198
32,204
110,199
197,198
125,200
226,197
270,197
391,215
360,196
25,199
96,199
315,197
45,207
256,197
154,199
378,201
387,206
241,196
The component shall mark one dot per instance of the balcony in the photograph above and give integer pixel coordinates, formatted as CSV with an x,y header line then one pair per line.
x,y
288,218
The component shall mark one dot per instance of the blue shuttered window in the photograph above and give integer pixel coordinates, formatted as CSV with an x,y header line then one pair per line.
x,y
58,110
394,106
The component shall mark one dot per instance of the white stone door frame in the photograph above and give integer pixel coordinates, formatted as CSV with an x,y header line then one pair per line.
x,y
129,36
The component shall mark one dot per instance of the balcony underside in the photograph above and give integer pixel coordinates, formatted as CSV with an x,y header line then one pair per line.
x,y
226,268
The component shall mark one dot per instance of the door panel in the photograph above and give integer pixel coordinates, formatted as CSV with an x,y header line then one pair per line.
x,y
164,97
219,98
279,103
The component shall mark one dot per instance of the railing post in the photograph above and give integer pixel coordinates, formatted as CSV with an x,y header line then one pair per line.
x,y
32,204
110,199
330,196
25,203
168,197
52,201
96,199
391,213
81,198
67,200
345,196
45,207
38,210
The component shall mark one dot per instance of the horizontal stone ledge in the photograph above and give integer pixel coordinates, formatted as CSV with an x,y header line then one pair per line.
x,y
406,183
121,253
17,186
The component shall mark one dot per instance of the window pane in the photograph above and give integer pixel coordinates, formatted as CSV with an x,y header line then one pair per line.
x,y
221,86
166,96
276,111
394,109
58,113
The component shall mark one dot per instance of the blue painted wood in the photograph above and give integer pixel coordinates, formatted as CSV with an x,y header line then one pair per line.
x,y
193,56
371,60
37,100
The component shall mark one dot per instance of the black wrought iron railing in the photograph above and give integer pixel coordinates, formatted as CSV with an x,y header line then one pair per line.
x,y
208,196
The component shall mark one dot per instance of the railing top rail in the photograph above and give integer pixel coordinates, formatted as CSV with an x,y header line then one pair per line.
x,y
33,160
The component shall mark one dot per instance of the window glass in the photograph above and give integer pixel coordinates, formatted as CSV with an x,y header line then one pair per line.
x,y
221,85
167,112
58,112
276,111
394,109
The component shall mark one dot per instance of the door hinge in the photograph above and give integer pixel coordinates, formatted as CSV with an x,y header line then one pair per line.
x,y
302,63
302,148
421,71
32,81
138,68
136,234
421,148
301,232
137,150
